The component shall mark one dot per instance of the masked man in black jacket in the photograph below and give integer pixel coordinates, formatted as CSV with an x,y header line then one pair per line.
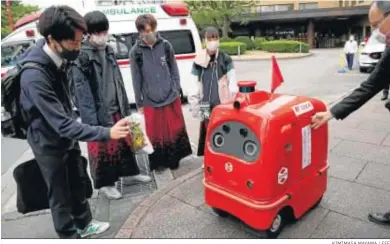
x,y
379,17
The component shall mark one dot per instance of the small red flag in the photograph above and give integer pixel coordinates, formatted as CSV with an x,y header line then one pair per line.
x,y
277,78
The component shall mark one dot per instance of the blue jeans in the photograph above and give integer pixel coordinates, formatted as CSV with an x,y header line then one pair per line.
x,y
350,57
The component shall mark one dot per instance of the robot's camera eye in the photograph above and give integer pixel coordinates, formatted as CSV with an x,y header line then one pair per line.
x,y
244,132
226,128
218,140
250,148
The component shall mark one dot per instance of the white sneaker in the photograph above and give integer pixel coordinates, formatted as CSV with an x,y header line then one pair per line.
x,y
139,178
94,228
111,192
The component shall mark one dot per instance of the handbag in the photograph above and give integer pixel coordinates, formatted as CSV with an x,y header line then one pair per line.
x,y
31,194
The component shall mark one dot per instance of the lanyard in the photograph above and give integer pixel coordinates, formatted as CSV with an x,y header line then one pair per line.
x,y
214,71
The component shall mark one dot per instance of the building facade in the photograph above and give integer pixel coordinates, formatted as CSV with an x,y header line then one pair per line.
x,y
322,24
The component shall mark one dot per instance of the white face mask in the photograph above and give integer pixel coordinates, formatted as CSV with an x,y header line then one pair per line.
x,y
379,36
212,45
99,40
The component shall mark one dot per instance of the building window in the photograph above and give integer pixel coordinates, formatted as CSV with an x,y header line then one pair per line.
x,y
284,7
303,6
361,1
275,8
353,2
341,3
267,8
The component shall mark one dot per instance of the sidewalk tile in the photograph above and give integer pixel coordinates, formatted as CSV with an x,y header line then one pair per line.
x,y
374,117
344,132
380,126
333,142
385,234
345,168
376,175
37,227
184,221
188,165
191,192
353,199
386,142
305,226
363,151
337,226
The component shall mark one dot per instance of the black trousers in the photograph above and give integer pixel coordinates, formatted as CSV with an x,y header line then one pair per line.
x,y
66,192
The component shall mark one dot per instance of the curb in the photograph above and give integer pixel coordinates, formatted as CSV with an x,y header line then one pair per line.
x,y
236,58
126,231
141,210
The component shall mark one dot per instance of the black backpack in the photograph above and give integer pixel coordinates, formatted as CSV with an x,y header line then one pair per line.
x,y
14,121
138,53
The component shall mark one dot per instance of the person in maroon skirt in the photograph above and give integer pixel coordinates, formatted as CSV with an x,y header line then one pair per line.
x,y
101,99
214,80
156,83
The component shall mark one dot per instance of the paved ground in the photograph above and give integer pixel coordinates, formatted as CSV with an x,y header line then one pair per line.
x,y
313,76
358,184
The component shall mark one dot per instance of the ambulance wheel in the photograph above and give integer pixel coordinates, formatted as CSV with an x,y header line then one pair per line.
x,y
220,213
276,227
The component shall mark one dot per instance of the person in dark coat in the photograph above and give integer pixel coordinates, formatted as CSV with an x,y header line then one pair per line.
x,y
52,133
379,17
102,100
156,82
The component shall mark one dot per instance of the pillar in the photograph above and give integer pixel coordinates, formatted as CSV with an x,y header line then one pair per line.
x,y
310,33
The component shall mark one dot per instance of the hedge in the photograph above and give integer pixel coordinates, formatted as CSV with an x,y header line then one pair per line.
x,y
231,48
284,46
244,39
259,41
225,39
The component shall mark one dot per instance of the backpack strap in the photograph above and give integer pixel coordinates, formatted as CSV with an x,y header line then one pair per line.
x,y
167,48
34,65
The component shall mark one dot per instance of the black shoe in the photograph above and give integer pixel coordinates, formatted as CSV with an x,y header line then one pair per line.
x,y
384,97
378,218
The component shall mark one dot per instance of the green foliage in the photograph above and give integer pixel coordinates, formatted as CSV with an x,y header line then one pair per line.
x,y
231,48
218,13
244,39
258,42
285,46
225,39
18,11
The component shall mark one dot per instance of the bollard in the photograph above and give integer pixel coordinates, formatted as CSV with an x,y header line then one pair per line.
x,y
300,47
239,50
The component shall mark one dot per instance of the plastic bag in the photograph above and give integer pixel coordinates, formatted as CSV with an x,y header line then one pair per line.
x,y
140,141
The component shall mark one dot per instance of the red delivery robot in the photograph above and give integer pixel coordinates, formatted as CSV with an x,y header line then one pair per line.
x,y
263,162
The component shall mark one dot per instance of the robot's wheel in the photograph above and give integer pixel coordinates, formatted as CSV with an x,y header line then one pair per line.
x,y
276,227
220,213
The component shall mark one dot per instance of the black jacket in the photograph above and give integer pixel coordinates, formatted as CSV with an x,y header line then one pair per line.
x,y
376,82
88,87
46,101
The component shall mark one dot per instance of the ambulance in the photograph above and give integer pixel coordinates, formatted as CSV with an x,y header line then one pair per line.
x,y
174,23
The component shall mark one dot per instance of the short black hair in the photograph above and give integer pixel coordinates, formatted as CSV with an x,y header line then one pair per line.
x,y
145,19
383,6
60,22
96,22
211,32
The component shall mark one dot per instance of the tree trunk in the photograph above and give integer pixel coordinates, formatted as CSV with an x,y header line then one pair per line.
x,y
226,27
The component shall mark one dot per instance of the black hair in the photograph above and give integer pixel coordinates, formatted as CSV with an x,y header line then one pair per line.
x,y
60,22
145,19
96,22
211,32
383,6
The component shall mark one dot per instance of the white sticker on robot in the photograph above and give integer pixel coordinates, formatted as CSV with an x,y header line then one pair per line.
x,y
302,108
277,103
282,176
306,146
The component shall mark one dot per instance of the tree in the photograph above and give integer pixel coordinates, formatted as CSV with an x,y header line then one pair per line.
x,y
18,10
219,13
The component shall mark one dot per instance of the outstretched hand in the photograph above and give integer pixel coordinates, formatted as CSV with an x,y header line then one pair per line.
x,y
321,118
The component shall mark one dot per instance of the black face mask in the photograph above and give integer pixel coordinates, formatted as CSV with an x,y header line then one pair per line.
x,y
69,55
